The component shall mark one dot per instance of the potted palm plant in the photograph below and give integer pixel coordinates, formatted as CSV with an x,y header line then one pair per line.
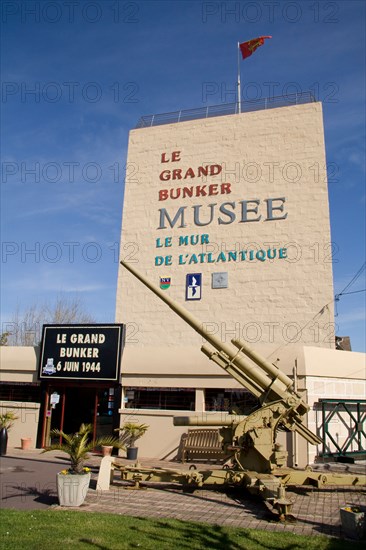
x,y
6,421
73,483
129,434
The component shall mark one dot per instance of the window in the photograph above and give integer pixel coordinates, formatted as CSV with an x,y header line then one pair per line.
x,y
13,391
241,401
169,399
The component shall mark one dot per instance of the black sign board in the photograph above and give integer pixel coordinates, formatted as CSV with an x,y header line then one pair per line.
x,y
81,352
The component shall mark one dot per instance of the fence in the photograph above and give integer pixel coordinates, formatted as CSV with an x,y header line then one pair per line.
x,y
225,109
343,428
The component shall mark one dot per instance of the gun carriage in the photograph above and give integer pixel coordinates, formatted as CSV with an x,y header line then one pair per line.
x,y
257,461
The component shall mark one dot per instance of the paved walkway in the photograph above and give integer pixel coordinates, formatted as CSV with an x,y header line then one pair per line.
x,y
28,481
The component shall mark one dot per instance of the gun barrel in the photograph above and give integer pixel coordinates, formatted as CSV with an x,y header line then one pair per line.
x,y
272,370
222,420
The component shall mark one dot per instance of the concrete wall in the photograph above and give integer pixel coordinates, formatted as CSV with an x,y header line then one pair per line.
x,y
263,155
19,363
26,424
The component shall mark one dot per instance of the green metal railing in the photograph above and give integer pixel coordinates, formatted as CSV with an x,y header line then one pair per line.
x,y
350,413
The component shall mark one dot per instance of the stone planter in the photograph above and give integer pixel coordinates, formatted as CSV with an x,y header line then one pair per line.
x,y
26,443
353,522
72,489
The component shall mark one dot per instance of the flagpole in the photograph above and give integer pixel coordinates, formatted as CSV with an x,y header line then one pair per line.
x,y
239,87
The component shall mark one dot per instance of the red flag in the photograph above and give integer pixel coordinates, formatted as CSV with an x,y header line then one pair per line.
x,y
247,48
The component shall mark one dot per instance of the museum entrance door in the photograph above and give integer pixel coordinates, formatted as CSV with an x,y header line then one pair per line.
x,y
67,407
76,407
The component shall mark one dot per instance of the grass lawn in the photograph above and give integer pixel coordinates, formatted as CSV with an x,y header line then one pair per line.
x,y
53,530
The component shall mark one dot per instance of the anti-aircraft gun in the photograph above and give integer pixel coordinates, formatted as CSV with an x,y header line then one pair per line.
x,y
258,462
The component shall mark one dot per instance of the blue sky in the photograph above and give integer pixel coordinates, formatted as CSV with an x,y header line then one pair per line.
x,y
78,75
